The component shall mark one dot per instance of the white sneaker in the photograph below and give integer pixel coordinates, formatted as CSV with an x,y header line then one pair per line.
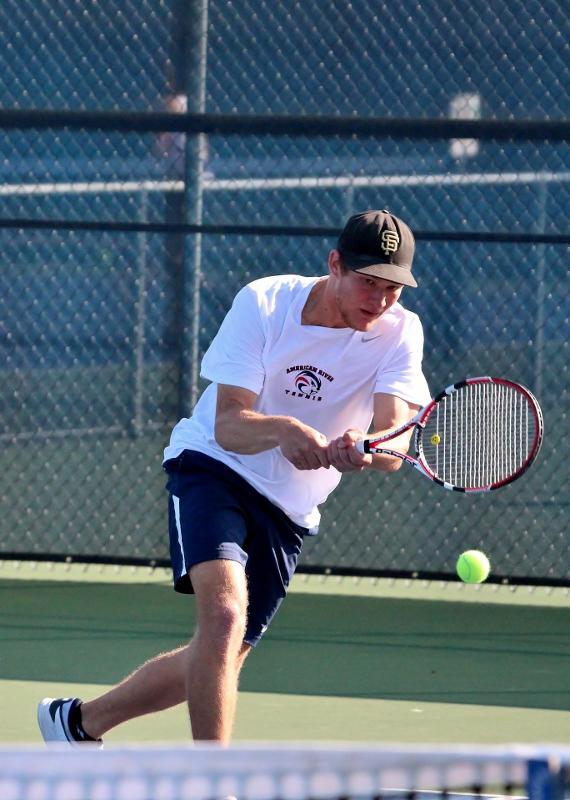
x,y
60,721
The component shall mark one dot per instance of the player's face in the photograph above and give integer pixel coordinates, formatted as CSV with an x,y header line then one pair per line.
x,y
362,299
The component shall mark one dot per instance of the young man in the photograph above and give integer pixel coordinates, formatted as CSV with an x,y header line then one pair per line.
x,y
299,370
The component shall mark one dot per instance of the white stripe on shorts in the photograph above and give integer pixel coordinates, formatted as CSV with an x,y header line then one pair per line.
x,y
176,501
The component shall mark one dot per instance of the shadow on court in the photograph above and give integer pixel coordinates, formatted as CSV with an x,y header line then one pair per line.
x,y
319,645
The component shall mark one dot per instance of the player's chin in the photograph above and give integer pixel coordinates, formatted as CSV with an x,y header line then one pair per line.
x,y
368,319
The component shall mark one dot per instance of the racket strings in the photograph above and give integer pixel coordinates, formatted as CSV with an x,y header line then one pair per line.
x,y
479,435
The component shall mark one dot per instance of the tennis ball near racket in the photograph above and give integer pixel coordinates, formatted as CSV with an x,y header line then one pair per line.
x,y
473,566
435,439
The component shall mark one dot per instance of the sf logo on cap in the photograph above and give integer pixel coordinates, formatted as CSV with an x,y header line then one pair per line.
x,y
389,241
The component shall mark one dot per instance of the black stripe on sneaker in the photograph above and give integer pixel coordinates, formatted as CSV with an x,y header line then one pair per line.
x,y
76,724
57,708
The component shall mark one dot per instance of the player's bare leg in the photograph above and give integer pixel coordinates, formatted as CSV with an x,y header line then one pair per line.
x,y
217,649
158,684
161,682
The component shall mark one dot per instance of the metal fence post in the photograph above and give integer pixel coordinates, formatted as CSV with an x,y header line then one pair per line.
x,y
541,292
140,322
196,153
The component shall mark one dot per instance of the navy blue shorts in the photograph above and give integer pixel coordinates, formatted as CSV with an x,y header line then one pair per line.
x,y
214,513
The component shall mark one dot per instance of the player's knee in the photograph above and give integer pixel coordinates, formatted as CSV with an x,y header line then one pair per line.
x,y
226,623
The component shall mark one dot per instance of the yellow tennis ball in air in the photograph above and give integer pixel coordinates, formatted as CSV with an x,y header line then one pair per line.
x,y
436,438
473,566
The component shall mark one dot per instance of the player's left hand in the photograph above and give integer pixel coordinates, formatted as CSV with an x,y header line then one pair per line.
x,y
344,456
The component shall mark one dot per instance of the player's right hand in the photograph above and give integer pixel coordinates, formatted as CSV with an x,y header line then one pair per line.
x,y
344,456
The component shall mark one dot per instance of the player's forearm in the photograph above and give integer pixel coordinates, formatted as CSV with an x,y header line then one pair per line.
x,y
383,462
247,432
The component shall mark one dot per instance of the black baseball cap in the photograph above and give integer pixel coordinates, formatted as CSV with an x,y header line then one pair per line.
x,y
378,243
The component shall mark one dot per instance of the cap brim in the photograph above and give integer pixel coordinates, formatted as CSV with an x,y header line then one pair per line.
x,y
390,272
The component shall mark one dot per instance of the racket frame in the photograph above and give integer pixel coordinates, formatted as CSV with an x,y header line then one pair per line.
x,y
419,421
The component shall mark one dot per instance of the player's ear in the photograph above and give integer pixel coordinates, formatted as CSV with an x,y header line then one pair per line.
x,y
335,265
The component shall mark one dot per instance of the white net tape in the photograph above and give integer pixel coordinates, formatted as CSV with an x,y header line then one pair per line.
x,y
209,772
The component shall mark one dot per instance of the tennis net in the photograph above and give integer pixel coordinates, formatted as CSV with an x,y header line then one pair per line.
x,y
285,772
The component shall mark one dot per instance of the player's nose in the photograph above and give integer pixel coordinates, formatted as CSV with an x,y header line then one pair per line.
x,y
378,297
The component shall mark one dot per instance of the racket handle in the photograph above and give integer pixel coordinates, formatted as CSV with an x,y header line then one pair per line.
x,y
360,446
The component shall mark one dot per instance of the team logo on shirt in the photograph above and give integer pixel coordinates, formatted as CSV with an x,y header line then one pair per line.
x,y
307,382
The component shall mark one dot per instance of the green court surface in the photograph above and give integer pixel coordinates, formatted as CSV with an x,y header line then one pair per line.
x,y
345,660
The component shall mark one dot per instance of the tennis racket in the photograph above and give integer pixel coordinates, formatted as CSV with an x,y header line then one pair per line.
x,y
475,436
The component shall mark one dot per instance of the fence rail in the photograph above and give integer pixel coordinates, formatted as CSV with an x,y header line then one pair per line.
x,y
527,130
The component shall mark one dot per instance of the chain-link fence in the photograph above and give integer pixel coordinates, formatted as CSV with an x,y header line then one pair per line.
x,y
102,330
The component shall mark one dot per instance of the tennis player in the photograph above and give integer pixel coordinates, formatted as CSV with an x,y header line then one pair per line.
x,y
299,369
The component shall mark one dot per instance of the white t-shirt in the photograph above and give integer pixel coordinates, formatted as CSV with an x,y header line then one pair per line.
x,y
326,377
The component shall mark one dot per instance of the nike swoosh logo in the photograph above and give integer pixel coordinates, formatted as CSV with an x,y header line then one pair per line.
x,y
370,338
